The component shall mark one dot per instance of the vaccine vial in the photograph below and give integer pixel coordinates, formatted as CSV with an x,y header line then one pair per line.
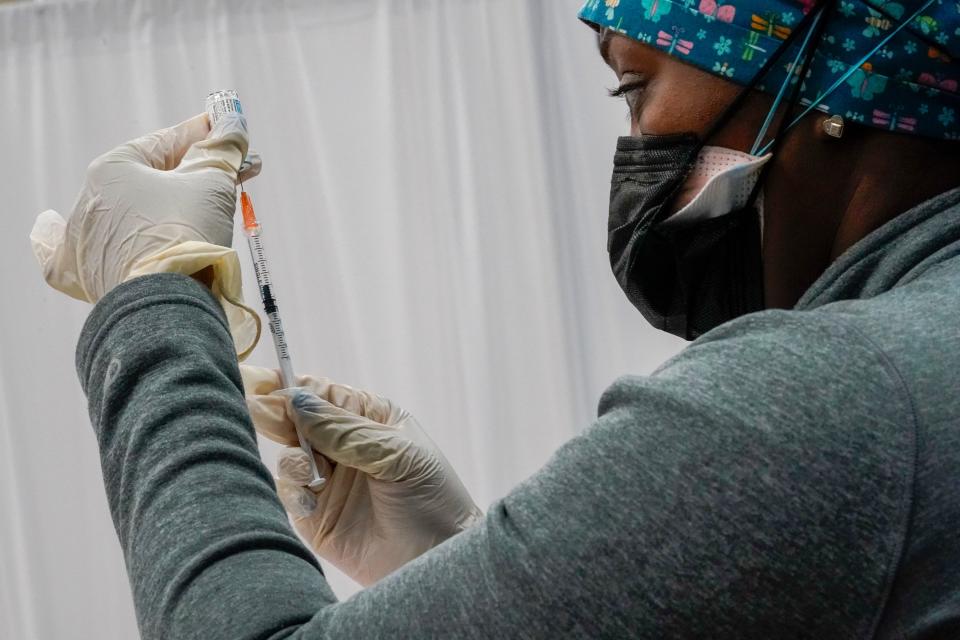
x,y
217,105
222,102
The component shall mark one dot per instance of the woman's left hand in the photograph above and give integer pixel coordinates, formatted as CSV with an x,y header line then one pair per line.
x,y
148,195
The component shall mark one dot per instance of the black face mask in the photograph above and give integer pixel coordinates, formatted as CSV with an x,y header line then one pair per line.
x,y
684,279
689,279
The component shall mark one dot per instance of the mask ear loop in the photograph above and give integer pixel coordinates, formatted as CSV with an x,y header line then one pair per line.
x,y
772,113
733,107
815,36
850,71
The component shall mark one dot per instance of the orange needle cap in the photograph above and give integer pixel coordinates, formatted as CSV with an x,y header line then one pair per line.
x,y
249,217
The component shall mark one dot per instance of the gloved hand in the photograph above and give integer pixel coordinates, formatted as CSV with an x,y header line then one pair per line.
x,y
161,203
390,495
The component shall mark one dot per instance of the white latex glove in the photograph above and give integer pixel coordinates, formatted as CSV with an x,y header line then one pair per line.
x,y
161,203
168,187
390,494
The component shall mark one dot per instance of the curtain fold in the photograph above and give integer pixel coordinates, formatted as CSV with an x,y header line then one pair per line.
x,y
434,207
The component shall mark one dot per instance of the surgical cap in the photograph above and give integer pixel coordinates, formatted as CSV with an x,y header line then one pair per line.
x,y
909,84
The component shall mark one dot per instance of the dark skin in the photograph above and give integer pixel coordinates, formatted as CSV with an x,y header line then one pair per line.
x,y
822,194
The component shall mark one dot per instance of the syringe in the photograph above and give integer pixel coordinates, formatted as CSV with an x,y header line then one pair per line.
x,y
218,104
252,228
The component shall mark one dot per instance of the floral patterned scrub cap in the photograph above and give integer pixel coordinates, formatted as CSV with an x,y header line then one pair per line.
x,y
889,65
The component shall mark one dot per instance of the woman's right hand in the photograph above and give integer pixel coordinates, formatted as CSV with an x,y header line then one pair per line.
x,y
389,494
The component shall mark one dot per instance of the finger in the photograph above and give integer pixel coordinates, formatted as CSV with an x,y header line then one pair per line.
x,y
350,439
163,149
261,381
294,465
47,236
54,253
299,501
251,167
364,403
224,150
269,413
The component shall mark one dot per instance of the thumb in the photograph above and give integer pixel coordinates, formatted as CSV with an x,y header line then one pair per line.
x,y
224,149
293,465
352,440
48,239
269,412
298,501
163,149
259,380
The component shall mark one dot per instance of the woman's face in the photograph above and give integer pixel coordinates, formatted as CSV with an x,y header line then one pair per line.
x,y
821,195
666,96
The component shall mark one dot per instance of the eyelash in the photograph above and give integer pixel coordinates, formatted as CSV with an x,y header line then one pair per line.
x,y
625,89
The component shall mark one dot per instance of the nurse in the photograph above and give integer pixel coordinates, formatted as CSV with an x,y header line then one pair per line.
x,y
788,199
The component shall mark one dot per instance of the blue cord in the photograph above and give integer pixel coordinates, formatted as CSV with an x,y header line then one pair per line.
x,y
786,83
853,69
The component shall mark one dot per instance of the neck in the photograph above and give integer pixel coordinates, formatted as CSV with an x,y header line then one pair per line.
x,y
824,195
895,175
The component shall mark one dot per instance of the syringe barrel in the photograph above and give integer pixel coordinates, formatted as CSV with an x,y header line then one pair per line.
x,y
287,378
218,104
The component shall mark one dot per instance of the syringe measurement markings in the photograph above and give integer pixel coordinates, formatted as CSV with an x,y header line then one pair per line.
x,y
276,328
266,295
260,261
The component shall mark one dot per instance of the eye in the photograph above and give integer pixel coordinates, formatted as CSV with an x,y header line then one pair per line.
x,y
626,88
631,90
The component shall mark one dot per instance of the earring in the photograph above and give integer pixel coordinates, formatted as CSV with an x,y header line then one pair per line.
x,y
833,126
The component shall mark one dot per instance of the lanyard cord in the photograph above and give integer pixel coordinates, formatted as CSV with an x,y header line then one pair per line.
x,y
734,106
741,97
850,71
771,114
815,35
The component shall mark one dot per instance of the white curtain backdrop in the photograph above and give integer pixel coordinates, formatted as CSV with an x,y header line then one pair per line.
x,y
434,203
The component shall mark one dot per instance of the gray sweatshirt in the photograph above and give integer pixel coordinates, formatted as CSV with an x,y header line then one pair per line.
x,y
792,474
